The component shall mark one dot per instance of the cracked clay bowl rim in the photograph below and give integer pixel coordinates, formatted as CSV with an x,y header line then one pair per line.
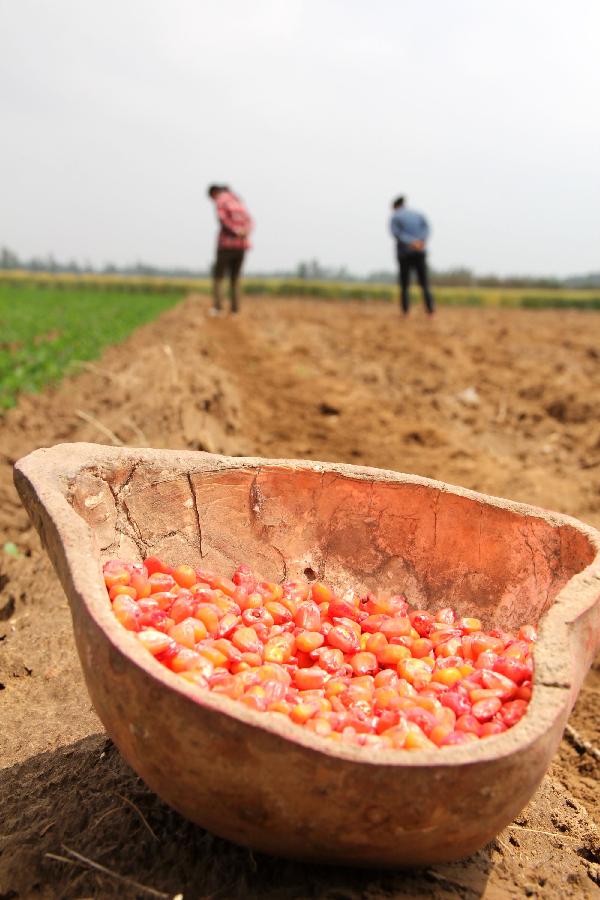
x,y
42,479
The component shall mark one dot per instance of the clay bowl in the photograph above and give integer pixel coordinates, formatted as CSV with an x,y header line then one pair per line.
x,y
262,781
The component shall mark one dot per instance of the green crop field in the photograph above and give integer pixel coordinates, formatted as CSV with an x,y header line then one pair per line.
x,y
44,332
528,298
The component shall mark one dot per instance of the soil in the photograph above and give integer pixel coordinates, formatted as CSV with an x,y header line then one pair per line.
x,y
503,401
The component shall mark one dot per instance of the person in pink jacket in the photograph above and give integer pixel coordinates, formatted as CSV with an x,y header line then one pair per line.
x,y
233,241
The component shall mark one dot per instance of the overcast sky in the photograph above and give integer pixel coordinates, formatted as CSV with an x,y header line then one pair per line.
x,y
116,114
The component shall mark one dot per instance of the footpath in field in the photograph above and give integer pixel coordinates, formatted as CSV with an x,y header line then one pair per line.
x,y
502,401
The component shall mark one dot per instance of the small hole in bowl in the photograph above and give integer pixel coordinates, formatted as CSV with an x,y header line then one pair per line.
x,y
310,573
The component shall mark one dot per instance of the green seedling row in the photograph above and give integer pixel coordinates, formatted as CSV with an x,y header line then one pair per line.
x,y
44,333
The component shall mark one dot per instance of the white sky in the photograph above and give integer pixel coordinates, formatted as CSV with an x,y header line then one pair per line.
x,y
116,114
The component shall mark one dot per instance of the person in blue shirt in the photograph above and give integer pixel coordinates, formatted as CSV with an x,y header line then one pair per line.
x,y
411,230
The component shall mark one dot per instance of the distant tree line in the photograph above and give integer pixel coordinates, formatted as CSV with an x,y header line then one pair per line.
x,y
458,277
310,270
10,260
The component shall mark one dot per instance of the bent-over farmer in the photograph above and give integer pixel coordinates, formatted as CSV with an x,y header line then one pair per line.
x,y
232,243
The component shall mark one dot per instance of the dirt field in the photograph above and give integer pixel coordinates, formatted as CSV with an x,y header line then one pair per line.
x,y
506,402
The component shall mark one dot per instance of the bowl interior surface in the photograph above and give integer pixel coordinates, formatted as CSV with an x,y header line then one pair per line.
x,y
303,520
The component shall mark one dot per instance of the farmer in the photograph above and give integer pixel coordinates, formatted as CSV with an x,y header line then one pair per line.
x,y
411,231
232,244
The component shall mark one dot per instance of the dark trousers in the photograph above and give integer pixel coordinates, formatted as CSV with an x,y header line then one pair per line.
x,y
229,262
417,260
